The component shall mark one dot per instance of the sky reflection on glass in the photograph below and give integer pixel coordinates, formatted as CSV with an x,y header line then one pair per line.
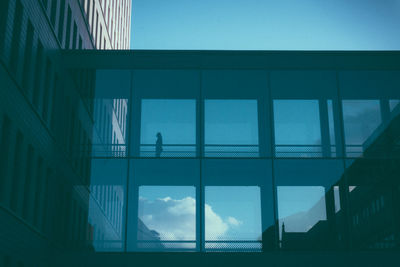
x,y
300,207
174,119
231,122
297,122
361,118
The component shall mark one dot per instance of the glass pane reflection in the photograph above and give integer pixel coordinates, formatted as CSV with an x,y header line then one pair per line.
x,y
361,121
232,218
107,204
297,128
301,210
231,128
374,190
111,102
168,128
310,197
167,217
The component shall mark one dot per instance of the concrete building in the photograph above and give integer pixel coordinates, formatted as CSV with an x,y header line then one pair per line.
x,y
47,124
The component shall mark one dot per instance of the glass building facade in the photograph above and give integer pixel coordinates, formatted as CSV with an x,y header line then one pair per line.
x,y
242,152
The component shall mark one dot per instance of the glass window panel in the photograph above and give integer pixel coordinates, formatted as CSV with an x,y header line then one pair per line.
x,y
361,121
370,110
167,217
112,91
232,99
297,128
231,128
168,128
165,102
238,205
394,104
309,198
163,205
300,208
374,190
232,218
107,204
309,120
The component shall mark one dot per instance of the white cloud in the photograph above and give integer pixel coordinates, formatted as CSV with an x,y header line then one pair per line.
x,y
175,219
215,226
233,221
172,219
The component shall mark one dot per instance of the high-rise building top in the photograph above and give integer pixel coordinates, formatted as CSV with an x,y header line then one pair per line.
x,y
109,22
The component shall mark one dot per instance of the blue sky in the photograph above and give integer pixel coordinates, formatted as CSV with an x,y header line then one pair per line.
x,y
266,24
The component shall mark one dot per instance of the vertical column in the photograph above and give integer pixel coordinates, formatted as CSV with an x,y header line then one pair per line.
x,y
132,214
267,235
330,216
3,22
38,183
135,121
324,124
263,135
30,197
18,174
337,120
28,184
385,111
200,233
6,154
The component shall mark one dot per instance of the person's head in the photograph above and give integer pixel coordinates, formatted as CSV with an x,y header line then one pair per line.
x,y
158,135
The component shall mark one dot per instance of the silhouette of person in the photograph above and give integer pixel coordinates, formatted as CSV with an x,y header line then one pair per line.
x,y
159,144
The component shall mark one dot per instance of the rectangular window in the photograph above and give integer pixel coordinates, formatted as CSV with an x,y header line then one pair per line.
x,y
45,3
96,33
80,43
37,194
61,22
307,195
108,178
164,214
15,191
238,205
361,119
68,27
168,128
28,183
26,75
16,37
232,218
72,133
38,74
88,10
3,20
46,93
93,17
297,128
75,36
101,37
53,102
160,204
231,128
4,153
394,104
53,12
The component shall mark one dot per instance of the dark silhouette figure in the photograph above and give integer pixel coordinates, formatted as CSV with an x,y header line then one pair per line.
x,y
159,144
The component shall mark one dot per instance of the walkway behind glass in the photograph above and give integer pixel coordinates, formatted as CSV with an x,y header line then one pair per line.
x,y
241,151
